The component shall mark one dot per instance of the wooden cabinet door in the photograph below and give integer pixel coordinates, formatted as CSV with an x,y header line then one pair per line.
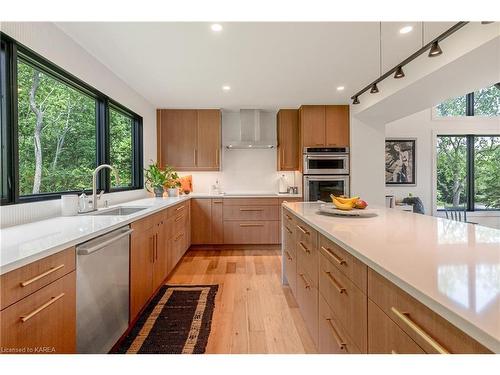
x,y
43,322
177,138
160,266
217,221
288,140
141,268
312,125
337,125
201,228
208,140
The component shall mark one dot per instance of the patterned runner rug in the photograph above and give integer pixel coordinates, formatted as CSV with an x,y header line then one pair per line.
x,y
176,321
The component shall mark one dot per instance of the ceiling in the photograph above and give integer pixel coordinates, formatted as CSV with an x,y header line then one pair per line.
x,y
267,65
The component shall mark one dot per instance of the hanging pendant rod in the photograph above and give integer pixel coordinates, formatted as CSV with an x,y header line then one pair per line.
x,y
438,39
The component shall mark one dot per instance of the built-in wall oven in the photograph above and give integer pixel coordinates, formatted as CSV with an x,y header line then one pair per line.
x,y
326,160
326,172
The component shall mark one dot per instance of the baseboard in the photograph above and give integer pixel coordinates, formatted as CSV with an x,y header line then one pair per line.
x,y
235,247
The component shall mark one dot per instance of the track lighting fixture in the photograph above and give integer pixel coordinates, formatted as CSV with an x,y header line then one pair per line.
x,y
374,89
356,100
435,49
399,72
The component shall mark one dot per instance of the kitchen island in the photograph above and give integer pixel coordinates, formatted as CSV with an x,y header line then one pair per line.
x,y
451,270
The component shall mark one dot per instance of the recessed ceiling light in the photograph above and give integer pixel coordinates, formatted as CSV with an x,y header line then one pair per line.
x,y
405,30
216,27
340,88
226,88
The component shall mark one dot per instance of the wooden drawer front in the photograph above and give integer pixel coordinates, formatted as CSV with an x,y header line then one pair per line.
x,y
350,266
177,209
179,223
333,339
430,331
288,218
251,232
347,301
305,234
251,213
289,241
251,202
307,299
385,337
49,320
23,281
179,243
307,257
290,270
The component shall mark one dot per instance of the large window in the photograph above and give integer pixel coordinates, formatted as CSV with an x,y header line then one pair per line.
x,y
485,102
468,172
58,129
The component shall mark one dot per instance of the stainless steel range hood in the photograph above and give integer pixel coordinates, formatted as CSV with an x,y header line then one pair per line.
x,y
251,134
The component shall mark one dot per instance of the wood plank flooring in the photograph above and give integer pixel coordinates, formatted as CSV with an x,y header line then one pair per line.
x,y
254,313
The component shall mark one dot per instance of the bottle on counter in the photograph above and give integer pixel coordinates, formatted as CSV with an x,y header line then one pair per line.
x,y
283,185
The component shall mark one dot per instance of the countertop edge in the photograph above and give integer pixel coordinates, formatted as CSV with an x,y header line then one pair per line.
x,y
463,324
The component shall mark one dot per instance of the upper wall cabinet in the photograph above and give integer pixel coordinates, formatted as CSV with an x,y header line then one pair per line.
x,y
324,125
288,139
189,139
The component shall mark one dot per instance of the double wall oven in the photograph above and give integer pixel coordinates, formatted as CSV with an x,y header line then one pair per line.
x,y
326,171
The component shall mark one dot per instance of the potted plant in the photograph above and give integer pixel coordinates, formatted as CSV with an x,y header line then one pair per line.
x,y
172,182
155,179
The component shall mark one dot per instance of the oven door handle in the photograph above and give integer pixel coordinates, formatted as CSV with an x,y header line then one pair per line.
x,y
327,157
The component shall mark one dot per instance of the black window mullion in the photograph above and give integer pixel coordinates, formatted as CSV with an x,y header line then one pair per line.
x,y
470,173
469,109
102,141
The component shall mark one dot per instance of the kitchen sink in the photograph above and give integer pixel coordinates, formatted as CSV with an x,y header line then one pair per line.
x,y
119,211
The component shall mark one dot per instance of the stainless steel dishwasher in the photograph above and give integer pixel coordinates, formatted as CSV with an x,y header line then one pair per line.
x,y
102,291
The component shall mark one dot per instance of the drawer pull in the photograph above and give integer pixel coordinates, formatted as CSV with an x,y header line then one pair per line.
x,y
338,259
179,208
251,209
419,331
288,217
303,230
42,275
304,248
305,281
43,307
288,255
337,337
178,218
288,229
335,283
217,202
179,237
251,225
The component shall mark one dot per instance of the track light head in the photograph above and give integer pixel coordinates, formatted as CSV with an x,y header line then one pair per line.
x,y
435,50
374,89
356,100
399,72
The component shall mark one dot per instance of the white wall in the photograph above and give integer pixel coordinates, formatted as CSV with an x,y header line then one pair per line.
x,y
50,42
245,170
424,127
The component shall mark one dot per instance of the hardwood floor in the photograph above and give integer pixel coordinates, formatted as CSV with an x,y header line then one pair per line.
x,y
254,313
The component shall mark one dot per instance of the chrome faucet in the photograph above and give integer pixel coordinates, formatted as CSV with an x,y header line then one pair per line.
x,y
94,183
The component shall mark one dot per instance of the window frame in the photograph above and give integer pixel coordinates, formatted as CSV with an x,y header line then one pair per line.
x,y
470,170
15,50
469,112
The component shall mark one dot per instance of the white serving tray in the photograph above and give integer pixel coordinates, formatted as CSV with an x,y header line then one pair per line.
x,y
329,208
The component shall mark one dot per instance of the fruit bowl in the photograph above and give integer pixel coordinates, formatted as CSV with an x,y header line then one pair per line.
x,y
347,204
330,209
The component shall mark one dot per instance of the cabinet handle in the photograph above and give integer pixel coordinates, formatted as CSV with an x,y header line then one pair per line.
x,y
43,307
288,255
340,342
251,225
217,156
217,202
335,283
338,259
303,230
288,217
153,250
305,281
304,248
288,229
42,275
178,218
179,208
404,317
194,156
251,209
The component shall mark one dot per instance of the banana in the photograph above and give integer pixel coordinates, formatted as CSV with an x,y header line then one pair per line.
x,y
346,206
352,200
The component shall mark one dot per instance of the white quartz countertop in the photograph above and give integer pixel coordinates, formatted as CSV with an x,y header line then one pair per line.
x,y
451,267
23,244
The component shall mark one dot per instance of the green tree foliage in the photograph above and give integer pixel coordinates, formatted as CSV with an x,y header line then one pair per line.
x,y
451,171
452,107
487,172
487,102
57,136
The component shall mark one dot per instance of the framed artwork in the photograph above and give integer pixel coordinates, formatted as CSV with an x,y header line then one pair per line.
x,y
400,162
